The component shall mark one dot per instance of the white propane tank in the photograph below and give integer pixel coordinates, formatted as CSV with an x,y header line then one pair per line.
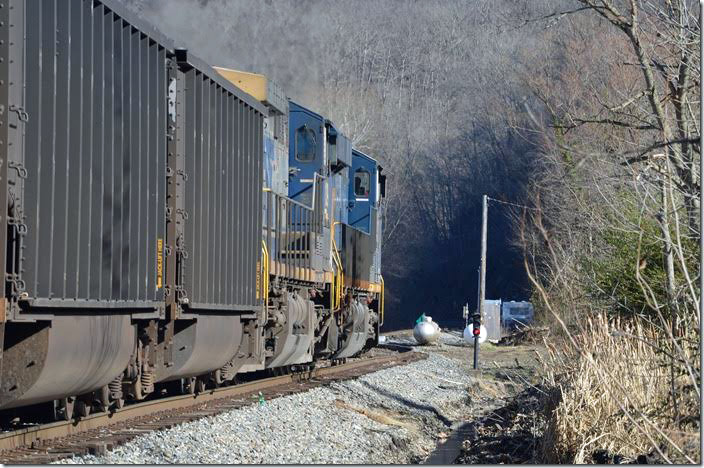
x,y
469,336
426,331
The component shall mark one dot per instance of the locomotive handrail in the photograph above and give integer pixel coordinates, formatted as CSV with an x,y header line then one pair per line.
x,y
290,232
381,301
265,275
303,205
338,279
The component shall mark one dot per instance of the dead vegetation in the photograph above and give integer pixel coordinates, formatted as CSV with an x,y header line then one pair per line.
x,y
611,236
603,396
611,401
525,335
509,434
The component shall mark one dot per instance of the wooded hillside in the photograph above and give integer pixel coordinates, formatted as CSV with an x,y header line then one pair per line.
x,y
430,89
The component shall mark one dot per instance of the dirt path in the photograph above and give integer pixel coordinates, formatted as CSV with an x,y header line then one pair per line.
x,y
502,420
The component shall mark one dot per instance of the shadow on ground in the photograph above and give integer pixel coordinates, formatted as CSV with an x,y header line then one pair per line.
x,y
409,403
509,434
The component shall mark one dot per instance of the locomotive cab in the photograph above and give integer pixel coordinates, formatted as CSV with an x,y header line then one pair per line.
x,y
363,191
307,155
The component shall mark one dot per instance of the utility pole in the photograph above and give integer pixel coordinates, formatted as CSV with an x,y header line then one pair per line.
x,y
482,278
701,166
482,271
479,286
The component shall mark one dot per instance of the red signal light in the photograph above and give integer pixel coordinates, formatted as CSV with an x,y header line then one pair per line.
x,y
476,331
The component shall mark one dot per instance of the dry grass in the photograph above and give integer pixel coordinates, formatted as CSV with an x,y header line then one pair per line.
x,y
491,388
379,416
611,393
529,334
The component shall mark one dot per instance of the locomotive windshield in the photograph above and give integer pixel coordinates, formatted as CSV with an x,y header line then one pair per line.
x,y
361,183
305,144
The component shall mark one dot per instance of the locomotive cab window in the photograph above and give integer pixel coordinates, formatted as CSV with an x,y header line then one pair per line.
x,y
361,183
305,144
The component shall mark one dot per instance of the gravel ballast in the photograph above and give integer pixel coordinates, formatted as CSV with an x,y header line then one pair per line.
x,y
395,415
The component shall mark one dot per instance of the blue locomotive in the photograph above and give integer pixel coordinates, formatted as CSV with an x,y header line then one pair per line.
x,y
168,225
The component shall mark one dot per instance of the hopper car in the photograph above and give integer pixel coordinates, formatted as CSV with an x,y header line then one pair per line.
x,y
168,225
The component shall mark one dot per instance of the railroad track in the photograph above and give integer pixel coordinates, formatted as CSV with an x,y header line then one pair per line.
x,y
101,432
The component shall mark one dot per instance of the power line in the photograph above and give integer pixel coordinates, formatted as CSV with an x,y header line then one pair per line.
x,y
512,204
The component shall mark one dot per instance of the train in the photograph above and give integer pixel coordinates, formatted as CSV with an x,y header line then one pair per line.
x,y
171,226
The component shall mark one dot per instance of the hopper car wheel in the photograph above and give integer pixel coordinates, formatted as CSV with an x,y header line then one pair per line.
x,y
63,409
188,385
119,403
200,386
103,400
82,409
137,389
217,378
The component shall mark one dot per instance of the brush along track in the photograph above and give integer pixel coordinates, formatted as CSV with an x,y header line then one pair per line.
x,y
100,432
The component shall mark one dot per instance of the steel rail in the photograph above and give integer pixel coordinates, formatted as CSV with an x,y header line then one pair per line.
x,y
29,436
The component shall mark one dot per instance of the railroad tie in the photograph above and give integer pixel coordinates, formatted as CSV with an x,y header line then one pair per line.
x,y
97,448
